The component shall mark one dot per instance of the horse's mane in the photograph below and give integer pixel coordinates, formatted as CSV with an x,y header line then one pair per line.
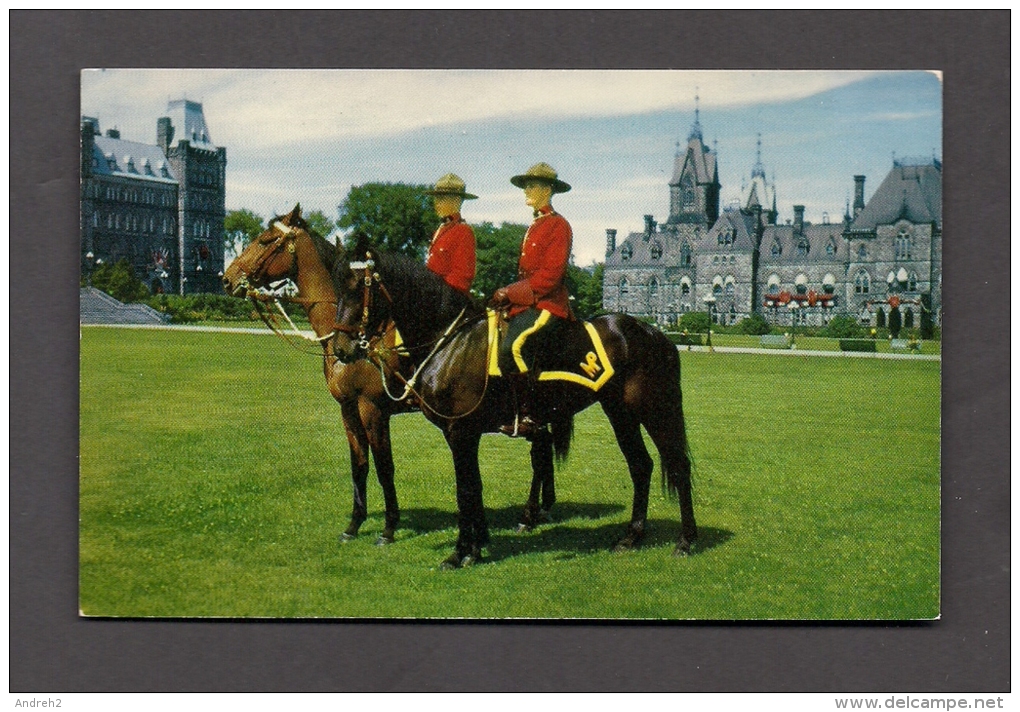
x,y
424,301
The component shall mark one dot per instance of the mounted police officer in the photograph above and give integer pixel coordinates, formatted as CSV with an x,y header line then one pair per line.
x,y
451,253
538,302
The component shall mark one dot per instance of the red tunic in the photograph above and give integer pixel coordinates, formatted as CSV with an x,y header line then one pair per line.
x,y
452,253
542,268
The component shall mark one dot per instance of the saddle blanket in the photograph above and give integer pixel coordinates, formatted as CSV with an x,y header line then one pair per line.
x,y
579,360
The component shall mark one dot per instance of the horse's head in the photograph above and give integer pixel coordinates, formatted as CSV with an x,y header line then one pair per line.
x,y
269,258
363,304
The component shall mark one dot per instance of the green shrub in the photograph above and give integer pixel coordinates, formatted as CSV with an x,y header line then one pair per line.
x,y
867,345
693,322
685,339
755,325
188,308
843,327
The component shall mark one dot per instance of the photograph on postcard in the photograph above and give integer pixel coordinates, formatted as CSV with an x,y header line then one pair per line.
x,y
510,344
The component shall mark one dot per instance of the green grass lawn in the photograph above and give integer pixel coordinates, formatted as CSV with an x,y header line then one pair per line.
x,y
215,482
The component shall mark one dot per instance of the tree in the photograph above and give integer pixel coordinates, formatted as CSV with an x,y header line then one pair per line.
x,y
240,227
895,322
319,223
497,250
119,281
586,288
394,216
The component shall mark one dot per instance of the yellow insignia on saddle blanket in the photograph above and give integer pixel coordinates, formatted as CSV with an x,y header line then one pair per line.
x,y
593,370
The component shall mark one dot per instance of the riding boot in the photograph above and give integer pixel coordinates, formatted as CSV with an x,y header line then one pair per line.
x,y
526,421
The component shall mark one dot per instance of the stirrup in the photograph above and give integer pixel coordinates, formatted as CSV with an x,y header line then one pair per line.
x,y
524,427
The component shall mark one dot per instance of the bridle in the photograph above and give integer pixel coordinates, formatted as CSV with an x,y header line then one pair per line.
x,y
285,239
377,354
360,334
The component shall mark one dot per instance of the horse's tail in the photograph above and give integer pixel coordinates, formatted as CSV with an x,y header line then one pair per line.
x,y
562,432
677,463
670,429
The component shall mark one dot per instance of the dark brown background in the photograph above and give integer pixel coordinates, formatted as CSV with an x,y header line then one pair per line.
x,y
52,650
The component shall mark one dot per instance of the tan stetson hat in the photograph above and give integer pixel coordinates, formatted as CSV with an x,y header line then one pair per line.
x,y
543,172
451,185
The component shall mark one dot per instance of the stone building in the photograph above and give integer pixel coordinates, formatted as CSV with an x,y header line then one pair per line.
x,y
160,206
742,260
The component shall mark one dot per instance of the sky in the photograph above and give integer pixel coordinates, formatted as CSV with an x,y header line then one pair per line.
x,y
308,135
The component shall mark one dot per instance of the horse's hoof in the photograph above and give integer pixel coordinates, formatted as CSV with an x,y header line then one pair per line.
x,y
346,537
384,540
683,548
544,516
451,562
523,528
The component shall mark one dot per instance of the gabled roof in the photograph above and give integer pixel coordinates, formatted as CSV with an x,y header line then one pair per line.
x,y
114,156
909,192
702,163
740,224
641,250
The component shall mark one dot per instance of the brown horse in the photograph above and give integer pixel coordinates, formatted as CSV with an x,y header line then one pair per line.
x,y
289,249
464,402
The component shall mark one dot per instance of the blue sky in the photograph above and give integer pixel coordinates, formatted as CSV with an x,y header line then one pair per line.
x,y
304,135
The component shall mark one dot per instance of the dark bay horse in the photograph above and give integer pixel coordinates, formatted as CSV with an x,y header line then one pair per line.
x,y
289,249
464,402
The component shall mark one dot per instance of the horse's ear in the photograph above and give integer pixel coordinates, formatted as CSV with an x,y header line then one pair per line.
x,y
360,245
295,214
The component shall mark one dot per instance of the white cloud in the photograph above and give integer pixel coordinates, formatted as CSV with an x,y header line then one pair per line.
x,y
260,108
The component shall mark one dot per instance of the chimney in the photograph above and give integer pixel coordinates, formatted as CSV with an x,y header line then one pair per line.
x,y
798,219
164,133
610,241
649,226
112,133
858,195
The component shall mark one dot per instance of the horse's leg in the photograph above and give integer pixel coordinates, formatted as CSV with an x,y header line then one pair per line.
x,y
542,471
627,428
357,438
473,529
377,426
667,431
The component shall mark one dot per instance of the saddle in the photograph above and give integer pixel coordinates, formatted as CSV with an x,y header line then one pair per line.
x,y
580,357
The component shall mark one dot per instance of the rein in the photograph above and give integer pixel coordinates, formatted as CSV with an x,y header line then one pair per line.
x,y
376,354
260,299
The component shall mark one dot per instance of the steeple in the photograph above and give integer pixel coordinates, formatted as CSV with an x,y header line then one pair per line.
x,y
696,128
759,169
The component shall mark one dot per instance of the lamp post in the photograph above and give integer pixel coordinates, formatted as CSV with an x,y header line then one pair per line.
x,y
710,305
90,260
794,306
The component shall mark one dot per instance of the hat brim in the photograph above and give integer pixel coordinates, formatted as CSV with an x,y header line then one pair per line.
x,y
464,196
556,184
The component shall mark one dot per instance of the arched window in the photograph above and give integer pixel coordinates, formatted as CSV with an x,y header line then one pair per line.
x,y
803,247
829,283
717,289
656,250
624,287
627,251
685,287
862,252
862,283
774,283
912,283
777,249
903,244
729,286
801,283
653,287
685,255
830,248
